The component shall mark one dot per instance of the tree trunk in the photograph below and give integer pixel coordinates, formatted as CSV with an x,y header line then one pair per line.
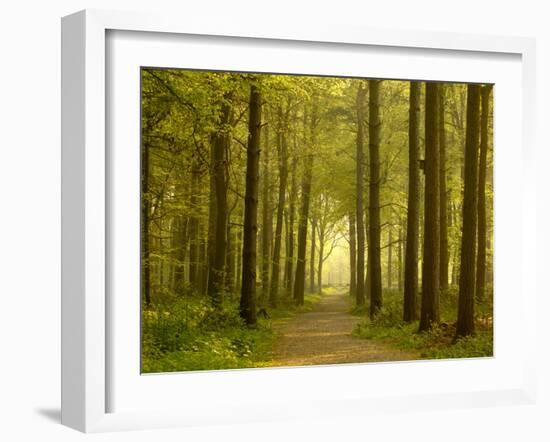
x,y
289,271
266,215
283,173
360,212
481,205
389,255
194,231
375,276
299,280
220,144
443,237
321,260
400,258
248,290
467,281
352,256
312,256
145,227
429,313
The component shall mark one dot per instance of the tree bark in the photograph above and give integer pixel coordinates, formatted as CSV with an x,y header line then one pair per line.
x,y
283,173
352,255
481,204
467,281
312,256
248,290
390,239
375,276
360,212
145,227
429,314
443,209
266,215
289,270
299,280
220,145
194,240
413,201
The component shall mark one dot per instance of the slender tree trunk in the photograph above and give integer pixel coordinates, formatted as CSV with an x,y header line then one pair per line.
x,y
467,282
194,231
145,227
321,259
248,290
374,198
360,182
400,259
443,236
352,255
481,205
312,256
283,173
289,281
266,215
429,314
220,145
390,239
299,280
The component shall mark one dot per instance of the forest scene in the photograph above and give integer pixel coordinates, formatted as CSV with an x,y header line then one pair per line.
x,y
291,220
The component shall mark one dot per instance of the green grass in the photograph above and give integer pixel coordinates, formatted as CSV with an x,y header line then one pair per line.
x,y
439,343
188,334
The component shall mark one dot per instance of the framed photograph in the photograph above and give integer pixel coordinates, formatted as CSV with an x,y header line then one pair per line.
x,y
267,222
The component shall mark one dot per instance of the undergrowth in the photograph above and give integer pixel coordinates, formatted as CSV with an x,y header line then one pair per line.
x,y
186,333
438,343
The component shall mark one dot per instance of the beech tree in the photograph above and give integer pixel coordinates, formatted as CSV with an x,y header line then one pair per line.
x,y
429,313
466,290
248,290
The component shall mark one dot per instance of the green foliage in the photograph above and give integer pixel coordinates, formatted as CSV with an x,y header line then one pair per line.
x,y
189,334
438,343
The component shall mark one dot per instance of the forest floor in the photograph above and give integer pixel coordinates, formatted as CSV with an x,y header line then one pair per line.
x,y
324,336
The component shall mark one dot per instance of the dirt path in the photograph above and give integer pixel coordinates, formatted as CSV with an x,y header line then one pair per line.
x,y
323,336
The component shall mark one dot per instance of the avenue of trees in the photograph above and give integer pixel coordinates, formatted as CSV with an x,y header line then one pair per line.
x,y
251,184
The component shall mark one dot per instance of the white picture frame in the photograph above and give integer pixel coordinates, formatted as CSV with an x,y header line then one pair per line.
x,y
86,315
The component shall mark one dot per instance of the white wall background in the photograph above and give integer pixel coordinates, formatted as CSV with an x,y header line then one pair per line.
x,y
30,215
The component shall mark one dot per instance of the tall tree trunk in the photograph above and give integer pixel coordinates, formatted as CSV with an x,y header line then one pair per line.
x,y
248,290
352,256
289,271
312,256
390,239
283,173
481,207
375,276
220,146
443,209
400,258
360,182
429,313
266,215
467,282
145,227
321,260
299,280
194,231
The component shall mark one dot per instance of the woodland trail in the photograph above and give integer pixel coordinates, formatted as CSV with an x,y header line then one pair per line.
x,y
324,336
